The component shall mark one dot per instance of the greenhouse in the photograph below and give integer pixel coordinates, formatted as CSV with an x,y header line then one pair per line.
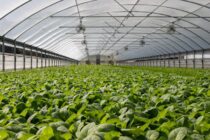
x,y
104,70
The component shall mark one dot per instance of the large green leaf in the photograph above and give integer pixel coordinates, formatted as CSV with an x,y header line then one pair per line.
x,y
178,133
45,133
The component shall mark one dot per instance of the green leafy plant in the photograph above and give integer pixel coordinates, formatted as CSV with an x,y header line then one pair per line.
x,y
105,103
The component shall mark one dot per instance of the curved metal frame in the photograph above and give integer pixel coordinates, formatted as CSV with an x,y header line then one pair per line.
x,y
47,16
165,15
31,16
149,13
15,9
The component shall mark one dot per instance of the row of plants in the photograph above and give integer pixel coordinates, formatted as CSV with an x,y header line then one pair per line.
x,y
104,103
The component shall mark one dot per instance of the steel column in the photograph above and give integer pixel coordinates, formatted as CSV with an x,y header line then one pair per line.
x,y
37,58
186,62
150,62
3,55
202,59
156,61
174,60
164,60
160,61
41,59
24,56
56,60
169,60
179,61
15,56
194,59
45,61
59,61
53,60
31,57
49,57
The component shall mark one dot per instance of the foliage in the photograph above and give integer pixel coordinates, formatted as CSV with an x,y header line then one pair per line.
x,y
104,103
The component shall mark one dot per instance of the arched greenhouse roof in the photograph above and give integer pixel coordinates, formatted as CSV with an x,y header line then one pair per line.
x,y
125,29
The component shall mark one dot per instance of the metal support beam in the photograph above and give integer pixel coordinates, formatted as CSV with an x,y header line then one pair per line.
x,y
194,59
49,57
37,60
24,56
56,62
156,61
174,60
164,59
15,56
3,55
41,59
186,62
169,65
179,60
53,60
146,16
159,57
202,59
31,57
45,61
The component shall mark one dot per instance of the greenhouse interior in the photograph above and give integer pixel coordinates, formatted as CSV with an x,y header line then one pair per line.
x,y
104,70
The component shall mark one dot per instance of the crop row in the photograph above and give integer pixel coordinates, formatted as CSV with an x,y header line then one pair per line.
x,y
104,103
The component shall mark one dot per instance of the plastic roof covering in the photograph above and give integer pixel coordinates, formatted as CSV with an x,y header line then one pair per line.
x,y
111,25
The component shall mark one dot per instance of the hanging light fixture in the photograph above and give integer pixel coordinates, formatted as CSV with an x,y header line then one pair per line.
x,y
84,42
171,28
80,28
142,42
117,53
126,48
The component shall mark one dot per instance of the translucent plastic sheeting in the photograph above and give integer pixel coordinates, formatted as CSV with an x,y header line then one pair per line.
x,y
111,25
8,6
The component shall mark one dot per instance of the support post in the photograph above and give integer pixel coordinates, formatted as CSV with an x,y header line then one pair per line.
x,y
149,62
202,59
15,56
156,62
59,61
45,56
179,60
186,60
169,60
160,61
41,59
164,59
3,55
37,60
194,59
31,57
24,56
55,60
51,60
49,57
174,60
